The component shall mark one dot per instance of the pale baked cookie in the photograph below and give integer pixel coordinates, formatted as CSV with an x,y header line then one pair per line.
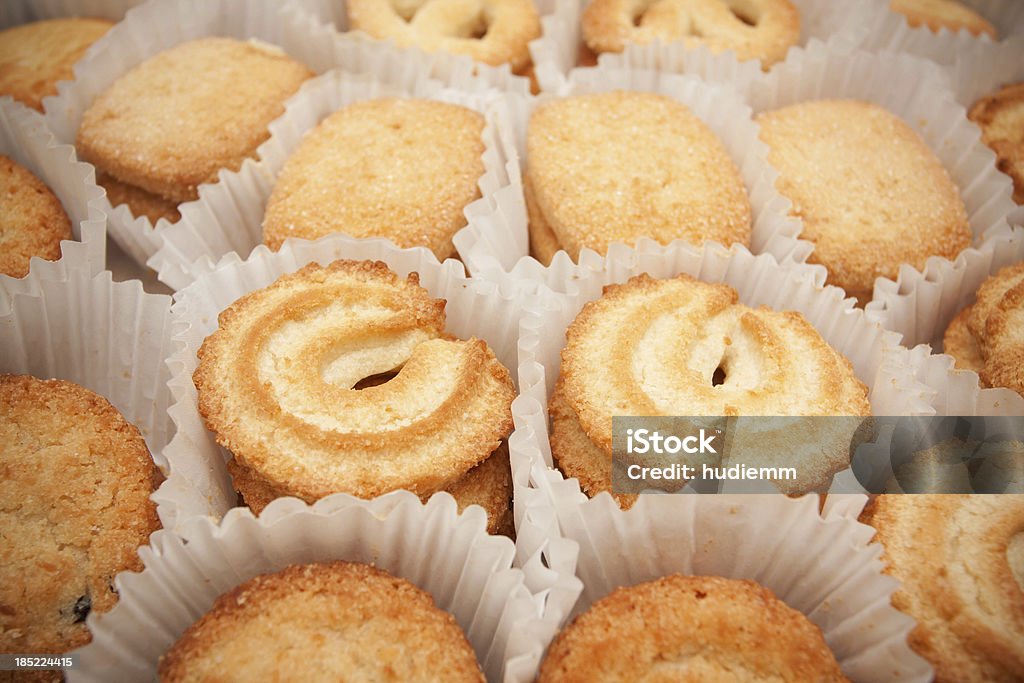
x,y
988,337
753,29
690,628
685,347
337,621
870,193
618,166
490,31
174,121
938,14
279,386
960,563
404,169
34,57
140,202
75,509
1001,119
32,219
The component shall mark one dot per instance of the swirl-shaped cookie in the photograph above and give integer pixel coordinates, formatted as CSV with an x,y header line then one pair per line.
x,y
960,562
279,385
754,29
490,31
988,337
684,347
690,628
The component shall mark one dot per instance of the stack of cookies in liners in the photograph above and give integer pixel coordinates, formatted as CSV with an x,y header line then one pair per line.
x,y
347,377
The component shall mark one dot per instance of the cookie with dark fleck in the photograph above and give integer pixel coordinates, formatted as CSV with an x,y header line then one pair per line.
x,y
75,481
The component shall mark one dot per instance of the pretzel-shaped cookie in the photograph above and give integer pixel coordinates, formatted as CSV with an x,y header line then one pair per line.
x,y
279,385
755,29
489,31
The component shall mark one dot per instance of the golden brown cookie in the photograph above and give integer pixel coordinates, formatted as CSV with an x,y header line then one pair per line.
x,y
75,489
488,485
543,241
870,193
959,343
404,169
174,121
960,563
753,29
1001,119
939,14
688,629
35,56
490,31
140,202
685,347
32,220
618,166
336,621
279,386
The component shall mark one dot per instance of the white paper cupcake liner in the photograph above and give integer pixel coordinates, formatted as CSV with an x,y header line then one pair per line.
x,y
918,92
822,565
159,25
983,67
888,31
556,52
24,138
467,572
14,12
228,217
109,337
724,112
449,68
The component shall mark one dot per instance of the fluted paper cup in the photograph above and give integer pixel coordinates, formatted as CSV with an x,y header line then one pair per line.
x,y
25,139
228,217
467,572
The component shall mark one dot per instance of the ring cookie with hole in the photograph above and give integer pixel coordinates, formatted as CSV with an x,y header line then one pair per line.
x,y
490,31
76,484
404,169
940,14
988,336
341,379
338,621
753,29
618,166
32,219
960,563
690,628
684,347
174,121
869,191
1001,119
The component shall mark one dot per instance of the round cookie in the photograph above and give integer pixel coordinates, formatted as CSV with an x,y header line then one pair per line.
x,y
960,563
684,347
140,202
948,14
1001,119
690,628
35,57
404,169
753,29
76,486
279,386
959,343
490,31
32,220
871,194
174,121
618,166
337,621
